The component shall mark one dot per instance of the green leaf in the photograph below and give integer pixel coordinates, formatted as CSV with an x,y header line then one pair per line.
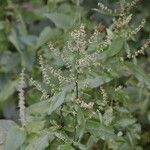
x,y
35,126
115,47
7,124
50,35
57,101
28,40
65,147
62,21
27,55
39,108
98,130
81,124
139,73
8,90
97,81
40,142
13,38
21,23
125,122
80,146
13,136
43,37
8,61
47,106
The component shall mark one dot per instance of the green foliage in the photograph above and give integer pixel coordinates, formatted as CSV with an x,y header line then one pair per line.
x,y
61,20
12,137
90,89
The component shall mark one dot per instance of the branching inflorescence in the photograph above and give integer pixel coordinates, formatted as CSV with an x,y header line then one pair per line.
x,y
88,71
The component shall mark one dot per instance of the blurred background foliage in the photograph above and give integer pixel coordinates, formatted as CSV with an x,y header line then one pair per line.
x,y
26,27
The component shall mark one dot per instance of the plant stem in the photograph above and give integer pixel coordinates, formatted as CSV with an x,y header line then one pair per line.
x,y
61,116
77,76
77,92
104,148
75,121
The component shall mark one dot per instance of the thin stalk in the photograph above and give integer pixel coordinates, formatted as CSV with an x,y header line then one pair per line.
x,y
77,93
61,116
77,88
77,76
105,144
75,121
79,11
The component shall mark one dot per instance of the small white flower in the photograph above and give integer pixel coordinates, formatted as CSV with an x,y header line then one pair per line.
x,y
119,133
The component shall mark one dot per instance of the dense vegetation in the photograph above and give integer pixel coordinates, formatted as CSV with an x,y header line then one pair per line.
x,y
74,74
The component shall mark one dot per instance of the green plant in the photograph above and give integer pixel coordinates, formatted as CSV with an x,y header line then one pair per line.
x,y
85,92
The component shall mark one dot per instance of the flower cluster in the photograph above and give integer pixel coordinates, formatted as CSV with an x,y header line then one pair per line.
x,y
57,73
22,98
93,37
104,98
45,75
122,21
130,5
105,8
141,50
105,44
88,60
87,105
118,88
136,30
51,46
79,41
